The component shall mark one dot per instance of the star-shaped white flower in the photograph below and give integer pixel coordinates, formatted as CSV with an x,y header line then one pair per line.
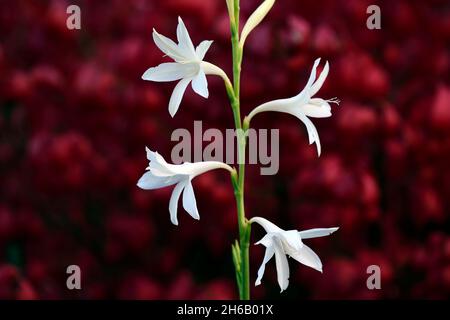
x,y
304,105
188,67
283,243
162,174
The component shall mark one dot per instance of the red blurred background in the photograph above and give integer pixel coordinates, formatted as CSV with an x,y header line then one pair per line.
x,y
75,117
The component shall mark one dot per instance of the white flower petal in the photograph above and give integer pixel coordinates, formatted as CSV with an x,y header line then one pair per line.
x,y
307,257
266,241
184,40
197,168
173,203
158,166
313,135
187,169
161,168
202,48
171,71
319,82
268,226
154,156
304,95
168,47
149,181
200,84
282,265
177,95
292,239
317,108
316,233
189,202
267,256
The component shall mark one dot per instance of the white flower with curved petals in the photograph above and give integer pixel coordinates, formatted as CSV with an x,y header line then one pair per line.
x,y
283,243
162,174
188,67
304,105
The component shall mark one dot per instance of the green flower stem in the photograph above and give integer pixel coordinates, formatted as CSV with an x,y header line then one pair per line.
x,y
240,250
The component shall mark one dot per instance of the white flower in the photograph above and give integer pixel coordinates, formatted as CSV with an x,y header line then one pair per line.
x,y
304,105
283,243
188,67
162,174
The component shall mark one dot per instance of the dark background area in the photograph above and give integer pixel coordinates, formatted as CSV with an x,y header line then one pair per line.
x,y
75,117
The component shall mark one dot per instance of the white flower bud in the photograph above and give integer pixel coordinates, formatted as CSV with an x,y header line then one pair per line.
x,y
255,19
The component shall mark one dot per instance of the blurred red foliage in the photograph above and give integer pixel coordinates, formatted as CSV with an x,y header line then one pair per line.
x,y
75,117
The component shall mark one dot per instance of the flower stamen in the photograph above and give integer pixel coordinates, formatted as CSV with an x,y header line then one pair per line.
x,y
334,100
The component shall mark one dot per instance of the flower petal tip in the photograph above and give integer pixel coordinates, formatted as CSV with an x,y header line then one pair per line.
x,y
155,33
147,74
172,113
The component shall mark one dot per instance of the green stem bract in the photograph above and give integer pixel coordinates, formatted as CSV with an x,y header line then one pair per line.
x,y
241,249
